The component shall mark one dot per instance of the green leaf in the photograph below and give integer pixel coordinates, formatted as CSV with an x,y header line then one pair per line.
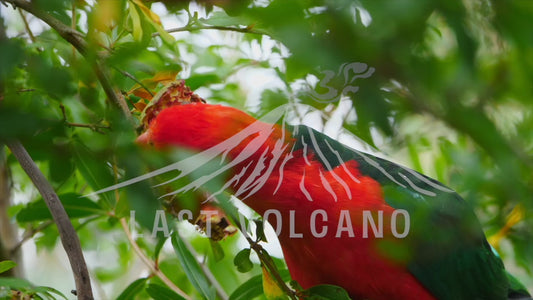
x,y
253,287
259,230
165,36
75,205
137,30
47,290
27,287
192,268
248,290
39,70
327,292
242,261
218,252
11,54
202,80
414,155
160,292
271,289
151,18
11,127
133,289
6,265
15,283
160,243
93,169
61,167
270,99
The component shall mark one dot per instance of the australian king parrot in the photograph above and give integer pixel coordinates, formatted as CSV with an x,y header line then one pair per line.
x,y
347,218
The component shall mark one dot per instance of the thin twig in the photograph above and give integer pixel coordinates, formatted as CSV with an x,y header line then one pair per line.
x,y
210,277
149,263
103,77
265,259
67,234
26,90
29,233
27,26
206,27
93,127
134,79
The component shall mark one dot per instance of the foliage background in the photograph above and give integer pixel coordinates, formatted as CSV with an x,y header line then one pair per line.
x,y
451,97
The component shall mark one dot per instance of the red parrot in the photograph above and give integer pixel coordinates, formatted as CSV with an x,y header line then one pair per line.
x,y
330,200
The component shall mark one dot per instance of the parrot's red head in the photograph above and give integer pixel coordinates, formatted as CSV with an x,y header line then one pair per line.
x,y
199,126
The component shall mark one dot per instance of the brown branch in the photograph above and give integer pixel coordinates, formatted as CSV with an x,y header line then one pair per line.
x,y
93,127
67,234
205,27
76,39
27,26
29,233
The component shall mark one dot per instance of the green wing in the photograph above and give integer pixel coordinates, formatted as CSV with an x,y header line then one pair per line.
x,y
446,248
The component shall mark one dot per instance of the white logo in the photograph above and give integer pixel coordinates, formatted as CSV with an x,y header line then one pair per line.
x,y
350,72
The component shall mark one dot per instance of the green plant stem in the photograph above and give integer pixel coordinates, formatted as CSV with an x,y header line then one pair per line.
x,y
29,233
130,76
190,28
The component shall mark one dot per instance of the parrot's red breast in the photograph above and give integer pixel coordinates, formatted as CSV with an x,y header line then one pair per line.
x,y
350,261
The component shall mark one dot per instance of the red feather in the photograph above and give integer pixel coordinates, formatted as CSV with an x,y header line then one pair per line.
x,y
354,263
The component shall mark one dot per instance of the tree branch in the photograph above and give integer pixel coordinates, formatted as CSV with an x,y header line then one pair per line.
x,y
29,233
265,258
93,127
69,238
135,80
77,40
222,28
27,26
70,35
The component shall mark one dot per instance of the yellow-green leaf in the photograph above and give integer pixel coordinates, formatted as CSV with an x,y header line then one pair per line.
x,y
137,30
6,265
270,288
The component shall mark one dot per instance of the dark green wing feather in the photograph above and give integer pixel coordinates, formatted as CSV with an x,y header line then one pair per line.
x,y
448,251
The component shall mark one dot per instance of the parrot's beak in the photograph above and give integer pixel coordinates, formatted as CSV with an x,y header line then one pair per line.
x,y
144,138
